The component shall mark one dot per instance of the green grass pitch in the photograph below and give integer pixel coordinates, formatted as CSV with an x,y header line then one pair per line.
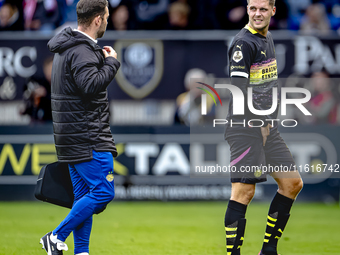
x,y
157,228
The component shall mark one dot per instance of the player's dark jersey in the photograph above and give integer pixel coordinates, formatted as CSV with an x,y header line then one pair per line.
x,y
252,56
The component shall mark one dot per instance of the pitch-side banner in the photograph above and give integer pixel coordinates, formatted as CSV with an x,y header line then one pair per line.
x,y
156,163
155,69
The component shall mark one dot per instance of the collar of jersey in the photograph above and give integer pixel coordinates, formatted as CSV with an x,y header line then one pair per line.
x,y
250,29
253,31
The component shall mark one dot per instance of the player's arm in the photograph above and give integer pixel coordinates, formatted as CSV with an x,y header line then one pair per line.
x,y
265,131
89,78
242,83
241,55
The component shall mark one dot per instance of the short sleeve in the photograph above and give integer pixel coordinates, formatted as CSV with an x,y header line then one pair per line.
x,y
241,55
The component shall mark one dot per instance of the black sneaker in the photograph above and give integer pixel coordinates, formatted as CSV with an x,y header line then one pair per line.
x,y
52,248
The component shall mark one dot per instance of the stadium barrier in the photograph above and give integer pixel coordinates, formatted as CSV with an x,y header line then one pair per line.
x,y
156,162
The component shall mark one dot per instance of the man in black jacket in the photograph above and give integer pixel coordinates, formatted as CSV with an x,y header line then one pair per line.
x,y
80,110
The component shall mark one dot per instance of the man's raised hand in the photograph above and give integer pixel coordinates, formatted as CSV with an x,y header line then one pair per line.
x,y
109,52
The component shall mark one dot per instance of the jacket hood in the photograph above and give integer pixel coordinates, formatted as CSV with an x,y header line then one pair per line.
x,y
68,38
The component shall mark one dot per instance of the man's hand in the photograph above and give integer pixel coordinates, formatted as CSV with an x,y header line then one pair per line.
x,y
109,52
265,131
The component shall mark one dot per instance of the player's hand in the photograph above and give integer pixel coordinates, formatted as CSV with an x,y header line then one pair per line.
x,y
265,131
109,52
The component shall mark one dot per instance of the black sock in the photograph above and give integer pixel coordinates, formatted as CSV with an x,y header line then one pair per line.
x,y
235,224
277,219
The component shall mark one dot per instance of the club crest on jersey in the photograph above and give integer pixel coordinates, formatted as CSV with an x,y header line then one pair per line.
x,y
110,177
258,173
237,56
141,66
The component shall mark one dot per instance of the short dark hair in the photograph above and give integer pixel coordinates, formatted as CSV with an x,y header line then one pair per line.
x,y
271,2
87,10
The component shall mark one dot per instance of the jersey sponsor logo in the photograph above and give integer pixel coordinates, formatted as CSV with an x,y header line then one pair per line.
x,y
237,67
141,66
264,53
263,72
269,73
237,56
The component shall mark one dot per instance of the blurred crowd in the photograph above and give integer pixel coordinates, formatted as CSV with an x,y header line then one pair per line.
x,y
317,17
37,94
324,104
309,16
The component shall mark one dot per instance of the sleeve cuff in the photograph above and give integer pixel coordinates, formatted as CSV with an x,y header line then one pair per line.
x,y
241,74
112,61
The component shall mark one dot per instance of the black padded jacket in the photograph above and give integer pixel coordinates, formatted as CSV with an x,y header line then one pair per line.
x,y
80,107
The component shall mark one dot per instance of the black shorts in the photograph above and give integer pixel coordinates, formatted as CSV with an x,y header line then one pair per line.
x,y
250,161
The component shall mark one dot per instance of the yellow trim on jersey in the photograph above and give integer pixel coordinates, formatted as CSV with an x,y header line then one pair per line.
x,y
266,234
230,246
230,229
231,236
250,29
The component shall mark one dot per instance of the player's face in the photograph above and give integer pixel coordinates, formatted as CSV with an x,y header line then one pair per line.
x,y
103,25
260,13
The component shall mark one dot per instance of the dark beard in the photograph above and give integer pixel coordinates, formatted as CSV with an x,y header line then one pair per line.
x,y
100,33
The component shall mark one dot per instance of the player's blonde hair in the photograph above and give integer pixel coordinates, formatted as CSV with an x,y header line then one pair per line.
x,y
271,2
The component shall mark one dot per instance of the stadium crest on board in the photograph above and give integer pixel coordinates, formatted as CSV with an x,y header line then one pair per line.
x,y
141,66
